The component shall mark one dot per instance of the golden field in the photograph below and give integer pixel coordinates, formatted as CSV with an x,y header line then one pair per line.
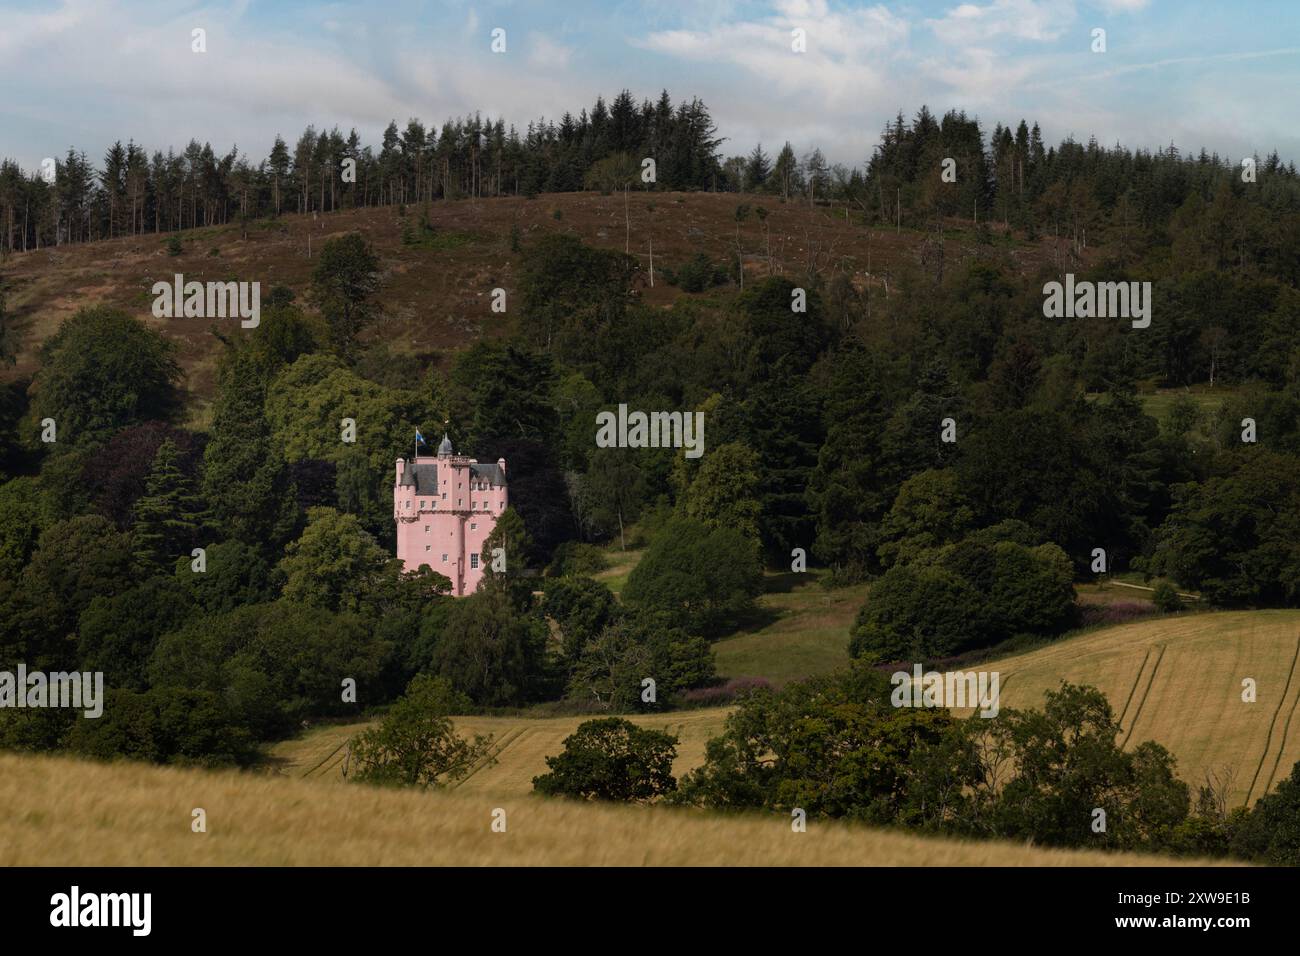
x,y
1178,681
1175,680
519,744
59,811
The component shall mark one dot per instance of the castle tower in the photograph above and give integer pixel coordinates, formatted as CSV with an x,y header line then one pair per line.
x,y
445,506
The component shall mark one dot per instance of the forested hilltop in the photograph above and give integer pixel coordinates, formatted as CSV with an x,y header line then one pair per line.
x,y
887,407
1091,193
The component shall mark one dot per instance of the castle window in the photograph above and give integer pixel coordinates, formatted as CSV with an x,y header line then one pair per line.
x,y
473,526
473,560
426,531
427,548
444,496
444,559
422,504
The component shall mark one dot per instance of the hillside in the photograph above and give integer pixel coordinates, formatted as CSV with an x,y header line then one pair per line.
x,y
56,811
1177,681
436,294
1174,680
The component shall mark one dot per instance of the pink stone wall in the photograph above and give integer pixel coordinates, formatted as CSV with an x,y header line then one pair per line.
x,y
453,523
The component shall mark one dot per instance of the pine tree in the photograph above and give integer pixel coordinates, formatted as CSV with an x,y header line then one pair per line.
x,y
785,175
279,165
245,479
169,516
846,491
758,169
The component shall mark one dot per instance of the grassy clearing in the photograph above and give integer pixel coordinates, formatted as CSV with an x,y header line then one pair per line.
x,y
62,812
619,566
1208,400
803,630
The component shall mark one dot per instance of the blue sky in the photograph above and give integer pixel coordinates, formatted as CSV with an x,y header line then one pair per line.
x,y
85,72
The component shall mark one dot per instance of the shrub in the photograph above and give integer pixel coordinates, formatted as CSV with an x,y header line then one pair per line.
x,y
1166,598
578,559
697,274
724,693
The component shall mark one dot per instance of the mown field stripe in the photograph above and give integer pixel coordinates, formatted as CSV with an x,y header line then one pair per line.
x,y
1137,715
1137,679
324,760
499,746
1268,741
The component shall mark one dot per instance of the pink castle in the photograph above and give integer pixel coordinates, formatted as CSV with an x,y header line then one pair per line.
x,y
445,507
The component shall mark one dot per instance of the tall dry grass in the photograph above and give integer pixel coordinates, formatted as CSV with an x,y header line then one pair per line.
x,y
60,811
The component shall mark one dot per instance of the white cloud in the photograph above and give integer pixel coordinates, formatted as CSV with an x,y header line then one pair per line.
x,y
545,54
26,31
1123,6
1033,20
846,60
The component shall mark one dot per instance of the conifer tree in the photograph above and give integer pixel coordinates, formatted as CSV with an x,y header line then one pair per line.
x,y
758,169
169,516
245,479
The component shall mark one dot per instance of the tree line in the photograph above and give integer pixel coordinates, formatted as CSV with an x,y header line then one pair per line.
x,y
133,191
1084,194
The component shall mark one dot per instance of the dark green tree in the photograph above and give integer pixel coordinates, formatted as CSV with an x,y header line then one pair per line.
x,y
702,579
345,278
103,370
245,479
489,651
611,759
1270,833
170,516
117,635
416,744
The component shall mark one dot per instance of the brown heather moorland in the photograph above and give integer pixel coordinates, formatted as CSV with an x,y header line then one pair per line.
x,y
436,295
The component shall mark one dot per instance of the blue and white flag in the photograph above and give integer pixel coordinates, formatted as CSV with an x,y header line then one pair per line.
x,y
418,437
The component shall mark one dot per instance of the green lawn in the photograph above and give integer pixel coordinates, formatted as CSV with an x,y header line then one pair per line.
x,y
806,631
801,628
620,565
1158,404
